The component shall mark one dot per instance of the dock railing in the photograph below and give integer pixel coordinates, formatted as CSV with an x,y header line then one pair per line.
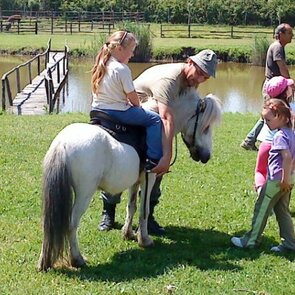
x,y
14,76
53,91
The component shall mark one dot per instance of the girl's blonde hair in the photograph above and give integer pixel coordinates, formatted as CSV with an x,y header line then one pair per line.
x,y
280,108
119,38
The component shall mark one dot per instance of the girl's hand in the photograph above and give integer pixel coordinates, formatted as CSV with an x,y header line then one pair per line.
x,y
285,186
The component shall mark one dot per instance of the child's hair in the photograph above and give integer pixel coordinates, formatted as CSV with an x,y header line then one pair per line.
x,y
279,108
119,38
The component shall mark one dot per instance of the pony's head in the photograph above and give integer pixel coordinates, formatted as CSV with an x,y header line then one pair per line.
x,y
197,130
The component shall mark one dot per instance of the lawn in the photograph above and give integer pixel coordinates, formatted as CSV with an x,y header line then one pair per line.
x,y
202,206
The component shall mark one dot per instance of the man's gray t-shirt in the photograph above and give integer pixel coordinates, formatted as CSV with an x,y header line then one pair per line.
x,y
161,82
275,53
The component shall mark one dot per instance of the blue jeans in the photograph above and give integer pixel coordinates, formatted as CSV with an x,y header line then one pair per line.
x,y
143,117
254,132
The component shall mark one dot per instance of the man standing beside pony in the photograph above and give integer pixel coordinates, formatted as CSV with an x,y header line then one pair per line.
x,y
161,84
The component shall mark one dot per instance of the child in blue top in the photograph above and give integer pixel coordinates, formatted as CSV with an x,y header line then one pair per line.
x,y
114,93
275,193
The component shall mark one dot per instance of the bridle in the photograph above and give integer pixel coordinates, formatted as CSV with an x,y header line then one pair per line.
x,y
200,109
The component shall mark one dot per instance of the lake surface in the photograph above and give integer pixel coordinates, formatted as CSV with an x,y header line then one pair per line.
x,y
237,85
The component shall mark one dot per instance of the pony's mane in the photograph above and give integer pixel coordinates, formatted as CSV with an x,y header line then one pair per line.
x,y
212,112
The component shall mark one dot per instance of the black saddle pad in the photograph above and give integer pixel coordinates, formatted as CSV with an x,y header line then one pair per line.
x,y
129,134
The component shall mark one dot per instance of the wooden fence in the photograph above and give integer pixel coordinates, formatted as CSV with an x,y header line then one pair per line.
x,y
218,32
67,22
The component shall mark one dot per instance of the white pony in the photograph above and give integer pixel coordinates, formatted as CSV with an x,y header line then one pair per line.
x,y
83,158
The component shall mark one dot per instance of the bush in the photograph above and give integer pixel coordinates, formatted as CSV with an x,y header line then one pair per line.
x,y
259,50
143,51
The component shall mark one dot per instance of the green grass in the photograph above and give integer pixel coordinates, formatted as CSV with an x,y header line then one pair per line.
x,y
202,206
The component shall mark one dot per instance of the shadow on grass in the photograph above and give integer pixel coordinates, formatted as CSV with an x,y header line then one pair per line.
x,y
203,249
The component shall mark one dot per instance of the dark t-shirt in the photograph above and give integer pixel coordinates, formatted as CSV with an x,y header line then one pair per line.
x,y
275,53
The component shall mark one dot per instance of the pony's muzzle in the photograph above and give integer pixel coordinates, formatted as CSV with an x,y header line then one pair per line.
x,y
200,154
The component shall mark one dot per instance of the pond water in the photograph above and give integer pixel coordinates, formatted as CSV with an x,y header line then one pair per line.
x,y
237,85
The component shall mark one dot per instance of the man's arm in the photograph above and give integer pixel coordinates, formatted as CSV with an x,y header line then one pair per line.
x,y
167,117
283,68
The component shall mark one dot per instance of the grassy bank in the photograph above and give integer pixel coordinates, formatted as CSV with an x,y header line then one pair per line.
x,y
202,207
163,48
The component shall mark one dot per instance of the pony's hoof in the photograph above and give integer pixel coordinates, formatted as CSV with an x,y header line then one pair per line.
x,y
42,265
78,262
128,234
147,243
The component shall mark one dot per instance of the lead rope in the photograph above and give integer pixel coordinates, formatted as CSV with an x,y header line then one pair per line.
x,y
175,152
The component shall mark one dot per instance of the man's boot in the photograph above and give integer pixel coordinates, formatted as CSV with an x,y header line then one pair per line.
x,y
108,216
153,225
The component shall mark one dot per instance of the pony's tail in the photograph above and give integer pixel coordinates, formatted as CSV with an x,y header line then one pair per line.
x,y
57,207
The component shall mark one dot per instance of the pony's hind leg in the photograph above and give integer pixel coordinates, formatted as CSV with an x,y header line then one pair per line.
x,y
127,231
83,197
147,183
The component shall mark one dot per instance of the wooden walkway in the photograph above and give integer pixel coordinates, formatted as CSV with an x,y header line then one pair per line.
x,y
33,99
40,94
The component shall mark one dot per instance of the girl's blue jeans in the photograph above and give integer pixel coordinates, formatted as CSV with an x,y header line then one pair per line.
x,y
150,120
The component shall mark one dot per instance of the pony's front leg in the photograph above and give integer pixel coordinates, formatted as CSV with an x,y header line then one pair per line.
x,y
127,231
147,182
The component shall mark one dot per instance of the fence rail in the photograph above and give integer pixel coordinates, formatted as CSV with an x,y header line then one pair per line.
x,y
67,22
199,31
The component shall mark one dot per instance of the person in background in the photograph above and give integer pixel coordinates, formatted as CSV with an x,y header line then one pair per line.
x,y
114,93
275,66
161,84
276,192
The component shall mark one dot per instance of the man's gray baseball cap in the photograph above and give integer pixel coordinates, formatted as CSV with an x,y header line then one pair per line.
x,y
206,60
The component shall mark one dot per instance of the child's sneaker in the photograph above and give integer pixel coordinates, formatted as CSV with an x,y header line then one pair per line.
x,y
237,242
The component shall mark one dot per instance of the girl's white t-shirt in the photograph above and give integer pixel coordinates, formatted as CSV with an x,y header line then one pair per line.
x,y
113,89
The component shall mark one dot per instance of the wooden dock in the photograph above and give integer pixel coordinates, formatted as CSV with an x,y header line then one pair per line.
x,y
39,96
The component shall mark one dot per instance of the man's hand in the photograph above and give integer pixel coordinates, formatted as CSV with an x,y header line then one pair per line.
x,y
162,167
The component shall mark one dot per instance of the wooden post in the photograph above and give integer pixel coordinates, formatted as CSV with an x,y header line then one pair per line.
x,y
58,73
3,95
18,27
189,30
1,26
36,27
161,31
30,72
38,65
232,32
51,22
109,28
79,22
71,28
8,92
18,80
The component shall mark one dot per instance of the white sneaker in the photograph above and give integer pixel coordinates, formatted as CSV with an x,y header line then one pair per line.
x,y
237,242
